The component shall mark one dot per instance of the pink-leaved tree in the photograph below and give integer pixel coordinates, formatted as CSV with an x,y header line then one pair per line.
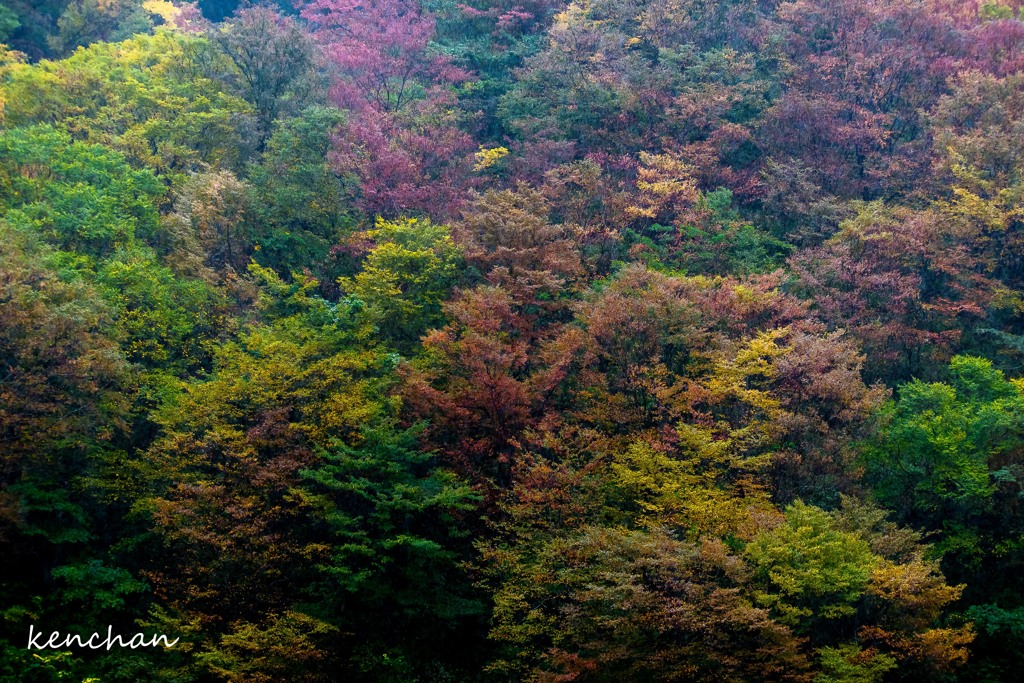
x,y
402,140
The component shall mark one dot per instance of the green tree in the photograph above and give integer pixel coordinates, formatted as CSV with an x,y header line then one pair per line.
x,y
947,459
301,208
944,450
80,197
813,573
288,508
152,97
406,277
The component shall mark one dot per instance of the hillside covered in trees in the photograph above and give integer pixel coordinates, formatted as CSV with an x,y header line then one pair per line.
x,y
513,340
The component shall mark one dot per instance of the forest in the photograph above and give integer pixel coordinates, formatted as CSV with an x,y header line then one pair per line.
x,y
500,341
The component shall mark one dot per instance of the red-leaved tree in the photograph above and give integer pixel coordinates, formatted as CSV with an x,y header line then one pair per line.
x,y
407,151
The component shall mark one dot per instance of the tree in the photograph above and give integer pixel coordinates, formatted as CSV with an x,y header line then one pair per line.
x,y
151,98
816,574
612,605
471,382
61,388
835,576
901,282
946,459
278,482
89,21
393,568
212,211
510,240
301,208
976,138
406,277
403,140
381,48
66,392
80,197
273,63
864,71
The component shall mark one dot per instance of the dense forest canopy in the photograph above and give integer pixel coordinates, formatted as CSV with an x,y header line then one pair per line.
x,y
513,340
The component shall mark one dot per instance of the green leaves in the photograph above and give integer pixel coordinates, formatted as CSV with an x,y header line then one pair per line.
x,y
374,495
290,646
851,664
947,458
940,443
407,275
149,97
102,588
813,572
80,197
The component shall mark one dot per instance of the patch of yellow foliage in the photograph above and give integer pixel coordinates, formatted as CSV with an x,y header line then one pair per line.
x,y
163,9
486,158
